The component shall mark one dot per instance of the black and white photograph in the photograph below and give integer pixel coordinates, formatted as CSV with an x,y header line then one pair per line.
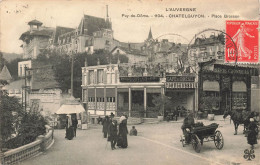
x,y
129,82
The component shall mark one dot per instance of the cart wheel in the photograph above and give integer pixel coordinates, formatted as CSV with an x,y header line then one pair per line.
x,y
182,141
218,140
195,141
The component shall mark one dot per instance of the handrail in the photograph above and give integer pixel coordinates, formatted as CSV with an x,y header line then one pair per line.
x,y
41,144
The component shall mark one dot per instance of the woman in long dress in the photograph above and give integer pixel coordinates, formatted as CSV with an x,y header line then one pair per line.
x,y
123,131
239,39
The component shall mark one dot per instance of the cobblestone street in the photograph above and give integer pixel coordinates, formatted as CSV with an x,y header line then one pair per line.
x,y
155,144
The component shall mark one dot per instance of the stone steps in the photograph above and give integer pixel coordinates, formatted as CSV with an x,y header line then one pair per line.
x,y
150,121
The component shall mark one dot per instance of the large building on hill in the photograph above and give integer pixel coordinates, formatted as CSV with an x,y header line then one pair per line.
x,y
91,34
35,39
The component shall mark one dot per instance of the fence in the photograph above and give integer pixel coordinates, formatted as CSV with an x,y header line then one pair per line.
x,y
29,150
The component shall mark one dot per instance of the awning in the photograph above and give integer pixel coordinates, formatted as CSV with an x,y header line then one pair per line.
x,y
70,109
211,86
100,92
91,92
110,92
239,86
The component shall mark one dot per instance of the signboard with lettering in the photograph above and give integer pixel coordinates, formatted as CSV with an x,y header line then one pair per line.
x,y
180,85
224,69
180,78
139,79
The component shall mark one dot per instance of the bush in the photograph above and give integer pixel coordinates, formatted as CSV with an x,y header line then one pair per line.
x,y
32,125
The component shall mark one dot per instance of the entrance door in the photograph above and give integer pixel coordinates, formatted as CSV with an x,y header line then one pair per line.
x,y
226,101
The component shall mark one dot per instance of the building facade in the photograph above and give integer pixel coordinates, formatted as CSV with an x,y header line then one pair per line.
x,y
130,89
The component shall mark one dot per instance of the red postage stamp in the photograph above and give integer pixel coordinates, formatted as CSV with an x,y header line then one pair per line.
x,y
245,36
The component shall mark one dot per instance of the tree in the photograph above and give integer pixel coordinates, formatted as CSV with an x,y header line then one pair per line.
x,y
8,106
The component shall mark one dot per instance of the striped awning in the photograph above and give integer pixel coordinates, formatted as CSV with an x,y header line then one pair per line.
x,y
239,86
211,86
179,85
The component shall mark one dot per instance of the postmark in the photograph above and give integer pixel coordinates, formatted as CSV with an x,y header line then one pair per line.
x,y
245,36
211,44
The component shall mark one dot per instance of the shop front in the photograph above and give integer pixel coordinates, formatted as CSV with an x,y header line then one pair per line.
x,y
182,92
228,87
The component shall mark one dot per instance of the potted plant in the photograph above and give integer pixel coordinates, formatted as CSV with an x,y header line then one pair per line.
x,y
160,102
211,103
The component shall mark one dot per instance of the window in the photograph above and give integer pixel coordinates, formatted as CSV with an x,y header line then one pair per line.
x,y
110,99
91,77
21,70
100,73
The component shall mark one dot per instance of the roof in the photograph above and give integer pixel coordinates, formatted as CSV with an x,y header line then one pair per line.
x,y
61,30
35,22
5,74
150,35
92,24
129,51
67,36
70,109
43,32
18,84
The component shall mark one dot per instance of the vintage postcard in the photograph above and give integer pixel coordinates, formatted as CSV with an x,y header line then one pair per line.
x,y
122,82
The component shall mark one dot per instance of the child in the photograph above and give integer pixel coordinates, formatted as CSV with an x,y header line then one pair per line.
x,y
133,131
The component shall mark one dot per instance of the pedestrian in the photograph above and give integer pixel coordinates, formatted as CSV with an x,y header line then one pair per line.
x,y
188,122
68,126
99,119
74,124
252,133
112,115
112,134
133,131
105,124
123,131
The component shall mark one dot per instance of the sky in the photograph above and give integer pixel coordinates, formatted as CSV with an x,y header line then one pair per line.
x,y
15,14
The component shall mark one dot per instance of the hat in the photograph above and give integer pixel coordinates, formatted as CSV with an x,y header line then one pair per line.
x,y
251,119
122,118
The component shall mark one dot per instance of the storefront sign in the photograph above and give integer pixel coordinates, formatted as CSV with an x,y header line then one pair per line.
x,y
180,85
234,70
180,78
139,79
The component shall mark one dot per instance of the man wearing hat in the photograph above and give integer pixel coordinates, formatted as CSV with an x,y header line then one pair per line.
x,y
188,122
112,134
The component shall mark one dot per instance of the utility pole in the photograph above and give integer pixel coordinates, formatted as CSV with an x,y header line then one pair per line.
x,y
71,83
25,87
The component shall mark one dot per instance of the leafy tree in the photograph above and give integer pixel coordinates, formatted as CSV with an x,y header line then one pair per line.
x,y
8,106
32,125
3,61
62,66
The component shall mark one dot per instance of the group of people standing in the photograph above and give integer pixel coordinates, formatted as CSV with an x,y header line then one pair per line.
x,y
116,134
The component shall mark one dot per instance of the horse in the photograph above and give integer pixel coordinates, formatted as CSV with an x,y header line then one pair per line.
x,y
239,118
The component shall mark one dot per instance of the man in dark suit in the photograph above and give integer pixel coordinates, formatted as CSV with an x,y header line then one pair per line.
x,y
112,134
74,124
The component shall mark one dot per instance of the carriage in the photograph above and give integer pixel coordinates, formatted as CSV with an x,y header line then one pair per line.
x,y
197,134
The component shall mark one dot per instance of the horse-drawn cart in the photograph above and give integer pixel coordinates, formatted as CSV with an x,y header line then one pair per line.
x,y
197,134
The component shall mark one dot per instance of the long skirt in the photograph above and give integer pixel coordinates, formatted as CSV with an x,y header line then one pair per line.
x,y
252,138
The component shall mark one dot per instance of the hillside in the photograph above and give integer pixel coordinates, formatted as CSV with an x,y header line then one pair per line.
x,y
11,56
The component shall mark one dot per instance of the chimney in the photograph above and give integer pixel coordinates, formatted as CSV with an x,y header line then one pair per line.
x,y
129,46
86,62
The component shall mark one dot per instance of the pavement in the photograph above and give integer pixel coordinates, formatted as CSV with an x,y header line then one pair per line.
x,y
155,144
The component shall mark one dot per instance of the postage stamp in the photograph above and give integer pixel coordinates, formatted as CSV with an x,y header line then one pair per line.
x,y
245,36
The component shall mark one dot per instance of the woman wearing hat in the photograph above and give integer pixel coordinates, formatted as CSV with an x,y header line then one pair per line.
x,y
123,131
69,129
252,133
